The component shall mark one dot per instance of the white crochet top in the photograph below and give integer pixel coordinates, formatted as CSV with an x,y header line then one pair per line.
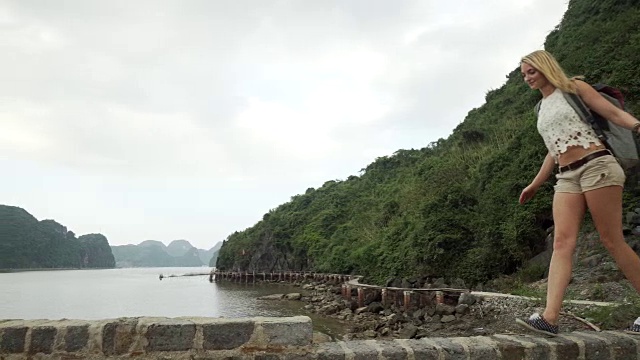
x,y
561,127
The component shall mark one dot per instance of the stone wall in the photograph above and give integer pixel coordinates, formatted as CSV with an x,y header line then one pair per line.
x,y
157,338
279,338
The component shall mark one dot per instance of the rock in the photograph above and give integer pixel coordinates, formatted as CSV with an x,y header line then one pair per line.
x,y
458,283
393,319
293,296
307,287
308,307
409,331
592,260
467,298
319,338
406,284
393,282
443,309
375,307
370,334
360,310
329,309
351,304
462,309
271,297
418,314
635,245
447,318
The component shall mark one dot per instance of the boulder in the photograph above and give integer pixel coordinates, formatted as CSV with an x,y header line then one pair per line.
x,y
271,297
293,296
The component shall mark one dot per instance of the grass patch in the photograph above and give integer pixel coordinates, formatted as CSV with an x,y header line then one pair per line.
x,y
527,291
613,317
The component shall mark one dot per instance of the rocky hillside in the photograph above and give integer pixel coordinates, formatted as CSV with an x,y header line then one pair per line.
x,y
449,209
26,242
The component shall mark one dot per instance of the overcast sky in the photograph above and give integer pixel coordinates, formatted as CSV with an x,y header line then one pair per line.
x,y
185,119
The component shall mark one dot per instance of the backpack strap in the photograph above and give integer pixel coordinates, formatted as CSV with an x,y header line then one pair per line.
x,y
578,105
537,107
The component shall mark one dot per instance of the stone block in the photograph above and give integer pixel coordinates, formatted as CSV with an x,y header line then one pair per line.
x,y
422,349
170,337
566,348
452,350
392,350
480,348
296,331
596,347
516,347
13,340
362,350
621,345
76,338
42,339
118,336
226,336
329,351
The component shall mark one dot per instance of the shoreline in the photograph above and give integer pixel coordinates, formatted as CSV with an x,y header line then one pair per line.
x,y
471,314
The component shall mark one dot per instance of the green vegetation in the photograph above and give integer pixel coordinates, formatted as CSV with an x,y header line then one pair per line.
x,y
26,243
450,209
613,317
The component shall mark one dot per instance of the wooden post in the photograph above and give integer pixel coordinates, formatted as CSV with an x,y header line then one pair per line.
x,y
384,297
407,300
439,297
360,297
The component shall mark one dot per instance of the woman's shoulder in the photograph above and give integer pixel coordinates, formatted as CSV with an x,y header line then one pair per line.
x,y
581,86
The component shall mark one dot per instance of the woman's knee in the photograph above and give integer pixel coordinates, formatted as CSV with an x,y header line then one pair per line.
x,y
612,241
564,244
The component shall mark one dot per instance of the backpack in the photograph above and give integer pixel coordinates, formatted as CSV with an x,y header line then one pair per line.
x,y
620,141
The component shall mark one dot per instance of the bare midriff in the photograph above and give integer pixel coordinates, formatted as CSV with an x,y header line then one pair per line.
x,y
574,153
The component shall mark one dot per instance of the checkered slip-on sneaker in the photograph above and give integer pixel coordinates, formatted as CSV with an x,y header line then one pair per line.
x,y
634,328
538,324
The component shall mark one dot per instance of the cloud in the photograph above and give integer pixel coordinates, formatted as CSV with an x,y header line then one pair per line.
x,y
258,100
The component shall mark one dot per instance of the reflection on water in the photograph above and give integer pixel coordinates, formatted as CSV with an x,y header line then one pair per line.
x,y
113,293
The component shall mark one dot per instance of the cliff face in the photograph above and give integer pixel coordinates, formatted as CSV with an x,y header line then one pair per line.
x,y
450,208
97,252
26,242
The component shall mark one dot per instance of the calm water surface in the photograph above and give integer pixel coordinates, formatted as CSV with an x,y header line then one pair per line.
x,y
114,293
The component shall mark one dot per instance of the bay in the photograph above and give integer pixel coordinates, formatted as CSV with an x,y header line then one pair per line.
x,y
133,292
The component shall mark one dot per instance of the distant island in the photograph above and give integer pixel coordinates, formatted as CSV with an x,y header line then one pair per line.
x,y
26,243
152,253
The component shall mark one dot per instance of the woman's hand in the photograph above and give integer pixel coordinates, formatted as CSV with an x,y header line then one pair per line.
x,y
528,193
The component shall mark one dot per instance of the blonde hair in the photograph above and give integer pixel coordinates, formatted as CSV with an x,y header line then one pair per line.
x,y
544,62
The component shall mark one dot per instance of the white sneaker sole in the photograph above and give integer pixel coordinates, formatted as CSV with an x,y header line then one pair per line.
x,y
529,327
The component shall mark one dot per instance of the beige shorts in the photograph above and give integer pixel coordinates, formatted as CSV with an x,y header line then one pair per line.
x,y
597,173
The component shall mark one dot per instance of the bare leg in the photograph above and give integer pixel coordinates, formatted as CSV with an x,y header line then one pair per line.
x,y
568,212
605,205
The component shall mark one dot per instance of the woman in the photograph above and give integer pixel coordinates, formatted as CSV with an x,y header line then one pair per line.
x,y
589,177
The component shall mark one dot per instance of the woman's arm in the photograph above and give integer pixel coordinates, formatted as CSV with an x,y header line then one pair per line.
x,y
599,104
543,174
545,171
